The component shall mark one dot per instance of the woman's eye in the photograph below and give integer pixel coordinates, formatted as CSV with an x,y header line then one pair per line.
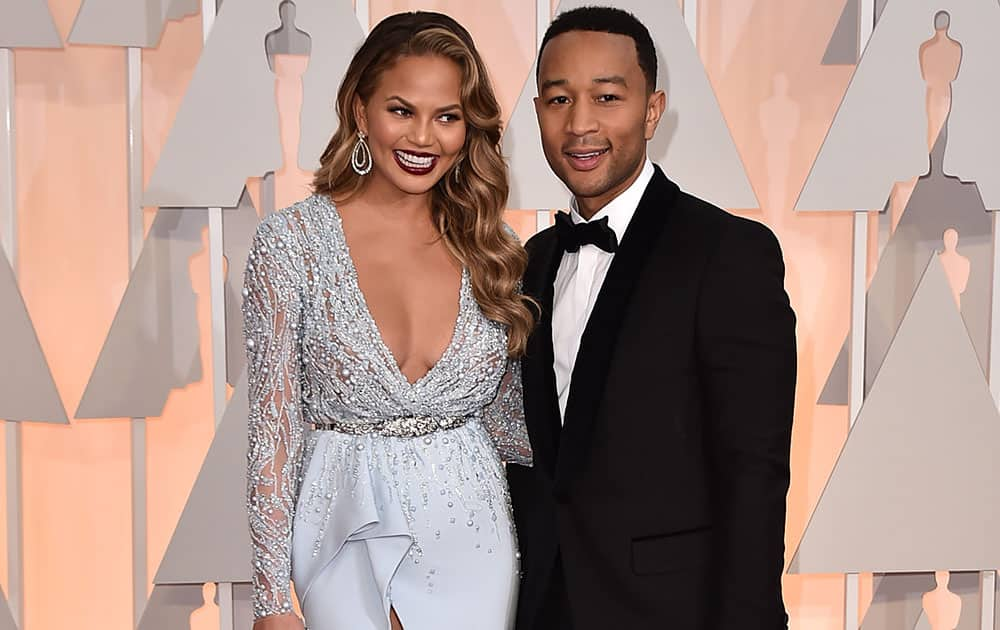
x,y
450,117
400,111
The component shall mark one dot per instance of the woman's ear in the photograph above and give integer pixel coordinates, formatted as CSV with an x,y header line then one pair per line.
x,y
360,115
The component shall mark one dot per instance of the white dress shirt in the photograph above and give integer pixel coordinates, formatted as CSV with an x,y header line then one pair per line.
x,y
579,279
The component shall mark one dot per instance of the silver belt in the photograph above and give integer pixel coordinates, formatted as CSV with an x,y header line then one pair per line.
x,y
404,427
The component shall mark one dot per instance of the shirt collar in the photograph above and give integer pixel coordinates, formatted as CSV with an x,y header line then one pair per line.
x,y
620,209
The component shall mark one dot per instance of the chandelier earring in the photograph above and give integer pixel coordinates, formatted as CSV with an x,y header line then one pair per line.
x,y
361,158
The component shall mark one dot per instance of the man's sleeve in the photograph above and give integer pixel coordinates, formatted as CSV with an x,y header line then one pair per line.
x,y
747,363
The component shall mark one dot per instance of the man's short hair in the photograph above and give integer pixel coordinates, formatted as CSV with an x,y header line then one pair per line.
x,y
607,20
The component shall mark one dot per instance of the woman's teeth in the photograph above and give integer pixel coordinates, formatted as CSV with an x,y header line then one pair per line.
x,y
415,161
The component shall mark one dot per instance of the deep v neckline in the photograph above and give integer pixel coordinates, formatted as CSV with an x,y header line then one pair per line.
x,y
373,324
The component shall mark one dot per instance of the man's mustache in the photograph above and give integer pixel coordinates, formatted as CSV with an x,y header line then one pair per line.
x,y
587,142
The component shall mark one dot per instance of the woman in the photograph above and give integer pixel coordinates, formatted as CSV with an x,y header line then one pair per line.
x,y
383,320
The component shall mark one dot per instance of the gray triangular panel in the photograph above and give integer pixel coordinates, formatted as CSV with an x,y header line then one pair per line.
x,y
209,153
879,8
226,129
170,607
137,23
6,619
879,131
974,125
843,47
915,487
178,9
27,24
965,584
242,606
897,601
336,35
837,388
693,143
938,202
152,346
27,391
879,134
238,227
212,541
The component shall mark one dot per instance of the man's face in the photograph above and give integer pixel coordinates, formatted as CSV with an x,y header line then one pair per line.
x,y
595,114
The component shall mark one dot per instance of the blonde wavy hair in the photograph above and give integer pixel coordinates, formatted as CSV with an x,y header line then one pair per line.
x,y
467,209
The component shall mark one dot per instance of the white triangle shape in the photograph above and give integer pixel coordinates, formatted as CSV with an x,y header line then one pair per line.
x,y
915,487
698,153
27,391
27,24
226,129
152,346
879,134
211,542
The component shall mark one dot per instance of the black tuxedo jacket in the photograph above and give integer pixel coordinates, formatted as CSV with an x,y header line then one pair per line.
x,y
664,491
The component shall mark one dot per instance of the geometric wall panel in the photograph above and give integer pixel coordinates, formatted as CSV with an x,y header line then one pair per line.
x,y
915,487
134,23
972,151
27,24
226,128
152,346
879,133
897,601
938,203
965,584
336,35
170,607
843,47
238,228
212,540
27,391
692,144
6,619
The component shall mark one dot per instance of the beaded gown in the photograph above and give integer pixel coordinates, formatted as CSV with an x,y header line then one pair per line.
x,y
400,501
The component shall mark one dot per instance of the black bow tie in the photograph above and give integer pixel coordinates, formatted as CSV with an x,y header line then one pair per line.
x,y
573,235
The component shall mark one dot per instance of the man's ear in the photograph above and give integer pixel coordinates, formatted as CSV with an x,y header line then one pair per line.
x,y
360,115
655,106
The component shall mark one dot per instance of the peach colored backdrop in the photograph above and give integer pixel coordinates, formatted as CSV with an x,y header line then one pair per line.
x,y
73,263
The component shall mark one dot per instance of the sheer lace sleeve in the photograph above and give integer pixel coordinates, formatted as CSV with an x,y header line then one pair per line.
x,y
503,418
271,311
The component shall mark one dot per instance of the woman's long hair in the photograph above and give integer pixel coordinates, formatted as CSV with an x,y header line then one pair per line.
x,y
467,209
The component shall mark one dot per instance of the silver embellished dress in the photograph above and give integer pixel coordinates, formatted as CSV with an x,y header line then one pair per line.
x,y
366,490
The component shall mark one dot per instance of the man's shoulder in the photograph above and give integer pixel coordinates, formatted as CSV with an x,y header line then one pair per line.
x,y
540,239
719,224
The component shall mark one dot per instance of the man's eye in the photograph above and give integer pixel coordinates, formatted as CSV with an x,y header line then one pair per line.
x,y
558,100
607,98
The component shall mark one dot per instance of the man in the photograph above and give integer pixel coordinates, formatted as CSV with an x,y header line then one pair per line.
x,y
659,382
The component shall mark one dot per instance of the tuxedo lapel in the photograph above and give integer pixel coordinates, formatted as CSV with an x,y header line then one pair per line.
x,y
540,399
597,344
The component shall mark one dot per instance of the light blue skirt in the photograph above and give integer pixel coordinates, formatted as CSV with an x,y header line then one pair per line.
x,y
420,525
